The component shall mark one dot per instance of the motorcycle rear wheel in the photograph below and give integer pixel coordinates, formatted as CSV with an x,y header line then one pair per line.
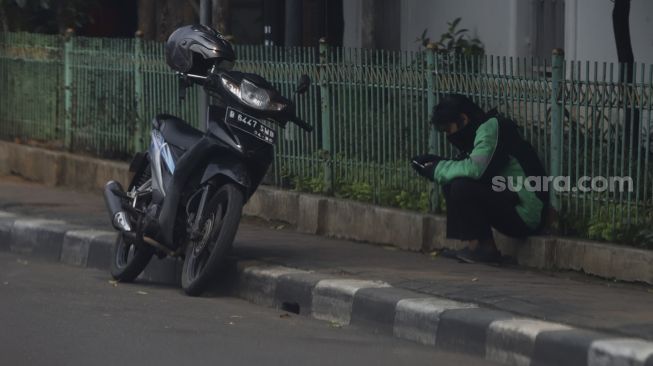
x,y
128,259
219,225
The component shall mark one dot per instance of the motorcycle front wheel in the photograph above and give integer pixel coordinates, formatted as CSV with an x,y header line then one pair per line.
x,y
218,227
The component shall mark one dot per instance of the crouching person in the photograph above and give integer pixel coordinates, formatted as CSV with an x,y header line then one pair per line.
x,y
482,188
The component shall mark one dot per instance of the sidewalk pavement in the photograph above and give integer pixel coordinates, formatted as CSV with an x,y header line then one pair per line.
x,y
617,309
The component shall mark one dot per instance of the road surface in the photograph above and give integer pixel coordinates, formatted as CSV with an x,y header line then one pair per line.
x,y
51,314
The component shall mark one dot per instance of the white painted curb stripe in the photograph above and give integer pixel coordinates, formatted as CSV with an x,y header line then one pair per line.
x,y
6,215
511,341
272,272
619,351
87,233
333,299
76,245
418,319
36,223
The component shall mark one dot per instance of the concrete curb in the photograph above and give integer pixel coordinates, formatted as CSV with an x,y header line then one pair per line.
x,y
352,220
87,248
442,323
38,238
448,325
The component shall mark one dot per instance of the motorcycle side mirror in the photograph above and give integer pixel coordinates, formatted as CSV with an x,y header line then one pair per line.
x,y
303,84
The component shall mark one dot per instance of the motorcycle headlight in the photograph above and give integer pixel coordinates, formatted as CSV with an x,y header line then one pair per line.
x,y
252,95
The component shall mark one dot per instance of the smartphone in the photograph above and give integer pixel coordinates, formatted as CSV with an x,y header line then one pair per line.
x,y
415,163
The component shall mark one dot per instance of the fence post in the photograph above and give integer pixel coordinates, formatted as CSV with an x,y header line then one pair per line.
x,y
325,97
138,92
68,88
433,134
555,157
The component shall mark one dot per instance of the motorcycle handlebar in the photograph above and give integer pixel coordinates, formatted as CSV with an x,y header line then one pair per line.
x,y
296,120
197,78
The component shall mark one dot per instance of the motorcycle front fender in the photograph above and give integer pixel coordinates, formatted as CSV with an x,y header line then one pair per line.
x,y
230,169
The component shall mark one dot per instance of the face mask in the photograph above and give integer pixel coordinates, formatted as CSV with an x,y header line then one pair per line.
x,y
463,139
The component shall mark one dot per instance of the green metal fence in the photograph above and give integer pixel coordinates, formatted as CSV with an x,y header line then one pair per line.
x,y
31,91
370,109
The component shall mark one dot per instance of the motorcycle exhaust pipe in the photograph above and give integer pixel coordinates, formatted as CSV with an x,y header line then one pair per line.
x,y
113,194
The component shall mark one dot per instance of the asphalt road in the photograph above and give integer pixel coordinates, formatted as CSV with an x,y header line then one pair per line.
x,y
51,314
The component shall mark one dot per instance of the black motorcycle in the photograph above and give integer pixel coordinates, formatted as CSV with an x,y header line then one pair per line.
x,y
188,189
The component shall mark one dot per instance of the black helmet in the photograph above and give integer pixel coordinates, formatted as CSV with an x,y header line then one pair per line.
x,y
194,49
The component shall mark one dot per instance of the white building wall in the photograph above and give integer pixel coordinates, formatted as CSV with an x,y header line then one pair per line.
x,y
492,21
589,34
506,26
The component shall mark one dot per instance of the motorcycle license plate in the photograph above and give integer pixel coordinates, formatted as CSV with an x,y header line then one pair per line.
x,y
250,125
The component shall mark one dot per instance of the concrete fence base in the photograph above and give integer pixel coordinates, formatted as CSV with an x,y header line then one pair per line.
x,y
347,219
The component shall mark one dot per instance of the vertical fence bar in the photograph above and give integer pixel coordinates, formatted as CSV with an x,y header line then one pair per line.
x,y
326,116
556,120
68,89
431,100
138,92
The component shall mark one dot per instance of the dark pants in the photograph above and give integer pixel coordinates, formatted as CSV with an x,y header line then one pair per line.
x,y
474,208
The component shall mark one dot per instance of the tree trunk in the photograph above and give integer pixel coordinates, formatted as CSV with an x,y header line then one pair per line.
x,y
163,16
220,16
170,15
62,22
335,22
195,7
146,18
293,19
157,19
621,27
3,17
273,13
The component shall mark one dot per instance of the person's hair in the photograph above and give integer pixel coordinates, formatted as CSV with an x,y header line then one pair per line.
x,y
450,108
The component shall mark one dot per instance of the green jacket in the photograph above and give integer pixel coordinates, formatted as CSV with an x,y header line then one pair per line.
x,y
499,150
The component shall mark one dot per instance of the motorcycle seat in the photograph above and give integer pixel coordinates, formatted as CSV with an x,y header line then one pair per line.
x,y
176,131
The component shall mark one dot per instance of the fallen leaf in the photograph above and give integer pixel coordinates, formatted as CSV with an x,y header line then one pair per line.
x,y
284,316
141,292
335,325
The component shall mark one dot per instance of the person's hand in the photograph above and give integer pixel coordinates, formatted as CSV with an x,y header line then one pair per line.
x,y
425,165
425,158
